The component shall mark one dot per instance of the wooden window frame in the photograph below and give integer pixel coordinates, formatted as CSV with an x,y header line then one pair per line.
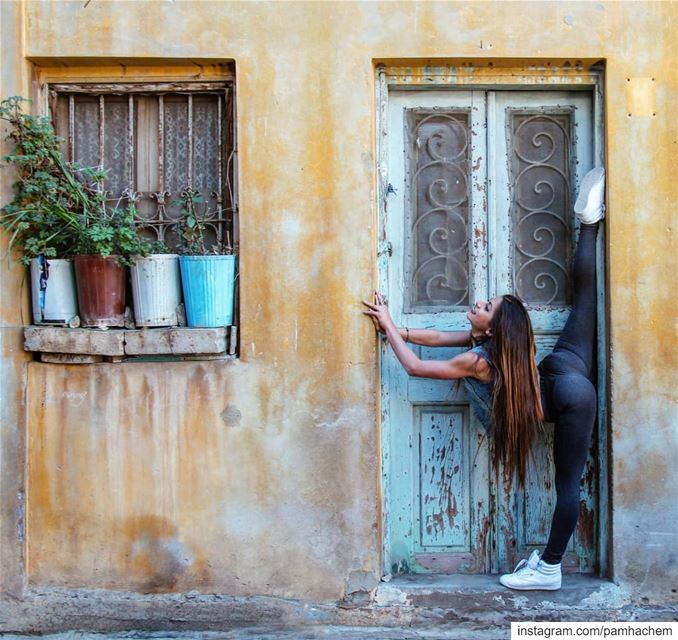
x,y
61,344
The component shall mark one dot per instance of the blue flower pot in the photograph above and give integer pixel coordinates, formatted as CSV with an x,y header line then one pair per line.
x,y
208,283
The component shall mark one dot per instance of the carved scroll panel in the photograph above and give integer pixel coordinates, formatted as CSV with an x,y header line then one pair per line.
x,y
437,221
540,177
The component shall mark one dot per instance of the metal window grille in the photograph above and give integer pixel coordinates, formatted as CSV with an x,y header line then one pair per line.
x,y
541,170
157,143
439,175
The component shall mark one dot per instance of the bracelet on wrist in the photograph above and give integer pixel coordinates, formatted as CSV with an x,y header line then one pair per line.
x,y
407,334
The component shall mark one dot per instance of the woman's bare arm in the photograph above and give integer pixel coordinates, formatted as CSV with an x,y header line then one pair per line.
x,y
461,366
465,365
433,338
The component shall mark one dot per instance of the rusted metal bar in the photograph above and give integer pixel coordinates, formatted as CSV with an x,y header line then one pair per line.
x,y
234,147
70,358
102,131
220,191
189,168
130,145
161,160
71,128
221,144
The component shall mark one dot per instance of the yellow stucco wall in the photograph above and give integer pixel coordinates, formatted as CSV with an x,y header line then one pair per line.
x,y
261,476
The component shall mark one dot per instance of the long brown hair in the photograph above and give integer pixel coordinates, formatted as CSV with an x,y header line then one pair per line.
x,y
516,398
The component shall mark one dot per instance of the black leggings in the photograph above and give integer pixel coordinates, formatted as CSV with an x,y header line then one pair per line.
x,y
569,397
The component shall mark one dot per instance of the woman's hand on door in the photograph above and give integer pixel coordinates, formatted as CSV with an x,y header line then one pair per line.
x,y
379,313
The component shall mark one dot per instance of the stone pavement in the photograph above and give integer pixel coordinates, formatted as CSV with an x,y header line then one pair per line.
x,y
314,633
320,632
406,608
260,633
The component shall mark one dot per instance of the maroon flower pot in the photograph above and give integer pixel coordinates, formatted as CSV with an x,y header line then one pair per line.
x,y
101,288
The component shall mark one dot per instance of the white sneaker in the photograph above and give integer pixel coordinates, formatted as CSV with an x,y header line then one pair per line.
x,y
589,206
533,574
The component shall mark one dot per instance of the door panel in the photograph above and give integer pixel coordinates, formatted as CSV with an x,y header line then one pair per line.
x,y
545,142
449,534
481,187
439,492
542,145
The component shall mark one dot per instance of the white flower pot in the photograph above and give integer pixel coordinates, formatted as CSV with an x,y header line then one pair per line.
x,y
156,290
53,291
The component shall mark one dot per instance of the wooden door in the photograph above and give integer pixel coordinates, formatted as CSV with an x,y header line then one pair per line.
x,y
481,188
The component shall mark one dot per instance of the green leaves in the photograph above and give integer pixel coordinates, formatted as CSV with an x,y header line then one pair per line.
x,y
59,208
193,226
114,232
45,214
158,247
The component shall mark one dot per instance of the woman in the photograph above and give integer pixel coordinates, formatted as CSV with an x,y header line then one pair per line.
x,y
510,397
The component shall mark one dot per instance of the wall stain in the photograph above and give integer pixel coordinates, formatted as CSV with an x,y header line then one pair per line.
x,y
231,416
157,559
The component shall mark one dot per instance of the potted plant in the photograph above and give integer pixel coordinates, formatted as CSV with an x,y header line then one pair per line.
x,y
59,212
156,287
207,271
107,242
39,220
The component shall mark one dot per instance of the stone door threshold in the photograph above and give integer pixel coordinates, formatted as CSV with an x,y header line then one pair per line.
x,y
485,593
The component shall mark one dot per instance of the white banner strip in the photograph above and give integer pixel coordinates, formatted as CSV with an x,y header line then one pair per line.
x,y
527,630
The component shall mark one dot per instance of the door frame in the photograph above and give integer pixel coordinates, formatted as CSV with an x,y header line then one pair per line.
x,y
497,75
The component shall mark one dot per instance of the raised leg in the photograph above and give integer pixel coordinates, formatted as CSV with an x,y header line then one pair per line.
x,y
579,335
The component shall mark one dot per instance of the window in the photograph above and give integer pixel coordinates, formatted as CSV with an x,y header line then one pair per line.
x,y
156,142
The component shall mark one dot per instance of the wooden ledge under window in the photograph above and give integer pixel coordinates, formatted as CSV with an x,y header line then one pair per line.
x,y
87,346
